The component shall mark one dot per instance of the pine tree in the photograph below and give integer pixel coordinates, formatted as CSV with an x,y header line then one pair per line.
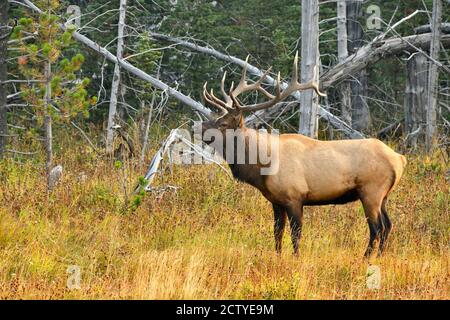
x,y
54,90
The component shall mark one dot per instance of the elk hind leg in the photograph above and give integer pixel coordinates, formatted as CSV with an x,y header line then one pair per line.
x,y
372,210
279,214
387,227
295,215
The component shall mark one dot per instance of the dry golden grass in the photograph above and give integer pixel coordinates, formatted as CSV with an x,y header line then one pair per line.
x,y
212,239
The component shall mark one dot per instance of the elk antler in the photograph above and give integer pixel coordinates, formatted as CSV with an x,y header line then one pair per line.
x,y
232,103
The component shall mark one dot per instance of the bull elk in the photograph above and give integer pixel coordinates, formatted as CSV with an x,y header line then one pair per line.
x,y
310,172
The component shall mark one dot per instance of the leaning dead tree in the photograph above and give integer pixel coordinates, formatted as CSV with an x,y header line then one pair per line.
x,y
116,78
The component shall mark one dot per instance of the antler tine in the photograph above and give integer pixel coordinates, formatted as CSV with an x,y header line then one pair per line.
x,y
264,105
293,86
234,99
231,99
227,98
242,85
217,100
232,86
257,84
244,70
213,102
312,84
278,84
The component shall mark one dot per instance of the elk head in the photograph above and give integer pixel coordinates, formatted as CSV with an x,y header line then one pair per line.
x,y
230,108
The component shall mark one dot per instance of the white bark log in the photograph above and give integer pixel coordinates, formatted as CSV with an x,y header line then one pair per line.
x,y
173,137
309,101
116,78
433,76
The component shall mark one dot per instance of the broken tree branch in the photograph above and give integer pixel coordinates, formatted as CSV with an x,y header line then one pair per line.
x,y
375,51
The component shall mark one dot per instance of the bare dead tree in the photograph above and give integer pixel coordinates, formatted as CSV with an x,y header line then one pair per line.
x,y
415,99
344,87
149,117
3,76
360,109
433,76
309,101
116,78
48,135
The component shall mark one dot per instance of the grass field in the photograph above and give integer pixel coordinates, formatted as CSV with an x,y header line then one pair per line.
x,y
209,239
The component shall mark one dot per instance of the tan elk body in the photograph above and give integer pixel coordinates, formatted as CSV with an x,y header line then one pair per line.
x,y
308,171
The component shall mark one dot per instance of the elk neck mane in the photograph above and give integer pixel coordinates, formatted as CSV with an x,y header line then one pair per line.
x,y
246,172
